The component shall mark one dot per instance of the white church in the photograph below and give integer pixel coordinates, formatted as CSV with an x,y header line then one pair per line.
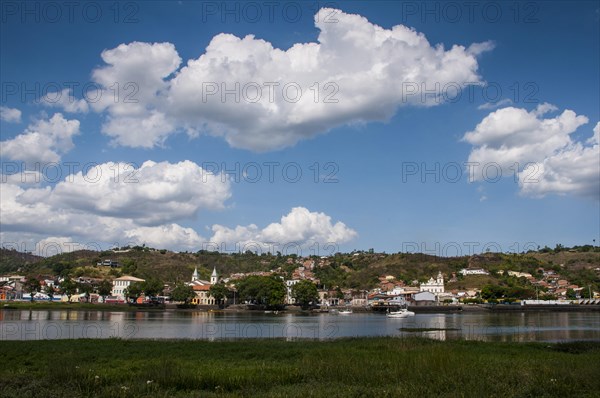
x,y
202,288
435,286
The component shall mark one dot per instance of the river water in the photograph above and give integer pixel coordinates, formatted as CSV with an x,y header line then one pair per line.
x,y
522,326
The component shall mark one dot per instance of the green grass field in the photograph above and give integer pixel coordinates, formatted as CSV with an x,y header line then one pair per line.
x,y
377,367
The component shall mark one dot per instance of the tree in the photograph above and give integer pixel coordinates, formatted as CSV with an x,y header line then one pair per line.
x,y
152,287
32,286
86,289
104,289
220,292
183,292
492,292
68,287
571,294
305,293
265,290
134,290
49,290
587,292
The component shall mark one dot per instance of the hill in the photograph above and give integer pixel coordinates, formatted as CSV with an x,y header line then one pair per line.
x,y
12,260
357,270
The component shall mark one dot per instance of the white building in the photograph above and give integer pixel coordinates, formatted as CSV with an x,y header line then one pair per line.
x,y
202,288
424,297
473,271
122,283
288,297
433,285
519,274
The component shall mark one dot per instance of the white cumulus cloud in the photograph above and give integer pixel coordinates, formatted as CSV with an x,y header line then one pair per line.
x,y
10,115
262,98
575,169
64,99
539,149
300,227
42,141
151,194
133,85
115,202
171,236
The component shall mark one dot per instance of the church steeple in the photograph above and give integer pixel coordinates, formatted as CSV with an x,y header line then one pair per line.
x,y
214,278
195,275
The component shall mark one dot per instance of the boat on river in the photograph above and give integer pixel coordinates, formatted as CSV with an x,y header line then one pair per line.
x,y
401,313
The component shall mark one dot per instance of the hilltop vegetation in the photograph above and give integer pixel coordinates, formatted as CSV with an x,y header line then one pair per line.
x,y
357,270
12,260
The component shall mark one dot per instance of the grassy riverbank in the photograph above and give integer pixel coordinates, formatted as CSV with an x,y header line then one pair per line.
x,y
382,367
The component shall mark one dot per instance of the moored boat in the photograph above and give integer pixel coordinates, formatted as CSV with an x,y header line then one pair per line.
x,y
401,313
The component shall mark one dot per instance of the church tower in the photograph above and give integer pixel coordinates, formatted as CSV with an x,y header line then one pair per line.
x,y
214,278
195,275
440,278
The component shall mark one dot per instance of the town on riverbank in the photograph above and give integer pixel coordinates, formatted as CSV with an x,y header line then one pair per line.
x,y
145,278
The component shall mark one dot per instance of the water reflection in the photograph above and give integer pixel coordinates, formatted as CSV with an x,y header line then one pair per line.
x,y
68,324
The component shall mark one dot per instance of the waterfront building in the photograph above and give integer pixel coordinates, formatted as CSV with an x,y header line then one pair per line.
x,y
202,288
433,285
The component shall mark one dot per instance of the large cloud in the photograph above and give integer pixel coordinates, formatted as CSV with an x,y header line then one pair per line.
x,y
115,202
300,227
355,72
539,149
42,141
151,194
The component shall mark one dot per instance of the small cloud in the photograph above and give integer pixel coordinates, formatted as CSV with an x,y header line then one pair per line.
x,y
10,115
43,141
544,108
483,198
479,48
494,105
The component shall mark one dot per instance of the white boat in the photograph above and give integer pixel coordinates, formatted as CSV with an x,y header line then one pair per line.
x,y
401,313
345,312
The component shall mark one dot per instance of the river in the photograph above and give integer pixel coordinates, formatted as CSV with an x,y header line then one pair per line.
x,y
72,324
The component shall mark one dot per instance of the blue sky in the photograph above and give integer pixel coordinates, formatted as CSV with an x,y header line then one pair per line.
x,y
378,166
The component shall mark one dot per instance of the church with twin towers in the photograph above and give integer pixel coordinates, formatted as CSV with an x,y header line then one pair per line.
x,y
202,288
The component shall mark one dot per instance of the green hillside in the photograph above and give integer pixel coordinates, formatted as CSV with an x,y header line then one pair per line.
x,y
358,270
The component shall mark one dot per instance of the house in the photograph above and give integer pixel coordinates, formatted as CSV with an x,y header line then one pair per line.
x,y
424,298
519,274
108,263
288,285
473,271
406,292
12,278
433,285
330,298
387,286
122,283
